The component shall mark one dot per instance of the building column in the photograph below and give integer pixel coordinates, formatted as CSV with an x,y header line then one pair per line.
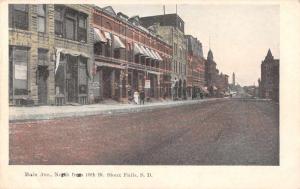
x,y
112,80
101,88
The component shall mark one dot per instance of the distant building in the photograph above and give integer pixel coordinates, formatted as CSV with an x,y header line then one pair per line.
x,y
195,68
171,28
233,79
217,83
270,77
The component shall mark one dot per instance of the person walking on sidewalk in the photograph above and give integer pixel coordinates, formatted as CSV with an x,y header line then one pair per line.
x,y
136,97
142,97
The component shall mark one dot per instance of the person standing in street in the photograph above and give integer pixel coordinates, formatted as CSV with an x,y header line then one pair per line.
x,y
142,97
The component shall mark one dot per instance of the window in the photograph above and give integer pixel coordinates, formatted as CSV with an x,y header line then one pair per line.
x,y
82,28
41,22
82,75
70,24
42,56
58,15
18,70
117,53
70,29
18,16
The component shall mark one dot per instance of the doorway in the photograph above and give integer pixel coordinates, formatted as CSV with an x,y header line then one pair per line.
x,y
72,79
42,76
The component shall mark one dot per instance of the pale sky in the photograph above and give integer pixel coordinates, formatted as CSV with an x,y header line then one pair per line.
x,y
240,35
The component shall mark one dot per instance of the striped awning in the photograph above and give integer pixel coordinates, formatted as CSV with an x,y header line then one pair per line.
x,y
117,43
137,50
98,36
158,56
145,53
107,35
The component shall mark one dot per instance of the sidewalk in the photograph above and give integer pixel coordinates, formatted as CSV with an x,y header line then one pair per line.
x,y
52,112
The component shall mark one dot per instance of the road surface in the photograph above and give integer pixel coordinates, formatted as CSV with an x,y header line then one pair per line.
x,y
227,132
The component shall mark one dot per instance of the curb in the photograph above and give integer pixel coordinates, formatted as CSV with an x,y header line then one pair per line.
x,y
138,108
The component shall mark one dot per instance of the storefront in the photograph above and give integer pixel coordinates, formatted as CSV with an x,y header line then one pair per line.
x,y
71,77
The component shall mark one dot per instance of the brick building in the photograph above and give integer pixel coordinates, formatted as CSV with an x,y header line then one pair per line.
x,y
128,58
269,84
222,84
195,68
171,28
50,52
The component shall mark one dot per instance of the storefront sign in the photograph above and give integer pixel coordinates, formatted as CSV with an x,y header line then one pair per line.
x,y
20,72
95,84
147,84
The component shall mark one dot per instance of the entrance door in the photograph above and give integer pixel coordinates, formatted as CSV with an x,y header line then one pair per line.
x,y
72,79
107,81
42,76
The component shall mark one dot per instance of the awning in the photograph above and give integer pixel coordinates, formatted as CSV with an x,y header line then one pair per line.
x,y
117,43
144,51
150,53
155,55
137,50
204,89
109,65
158,56
107,35
153,72
98,36
66,51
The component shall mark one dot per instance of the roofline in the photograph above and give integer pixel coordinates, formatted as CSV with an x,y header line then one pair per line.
x,y
164,15
130,24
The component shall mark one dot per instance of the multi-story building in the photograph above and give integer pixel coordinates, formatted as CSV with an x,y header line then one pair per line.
x,y
269,84
171,28
216,83
50,52
195,67
222,84
128,58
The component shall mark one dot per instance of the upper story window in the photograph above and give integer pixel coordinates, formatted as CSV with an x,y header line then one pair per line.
x,y
18,16
70,24
82,25
41,22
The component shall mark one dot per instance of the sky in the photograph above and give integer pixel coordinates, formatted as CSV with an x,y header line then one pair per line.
x,y
238,35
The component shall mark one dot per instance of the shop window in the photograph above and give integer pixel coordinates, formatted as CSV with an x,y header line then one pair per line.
x,y
82,80
18,16
18,70
41,12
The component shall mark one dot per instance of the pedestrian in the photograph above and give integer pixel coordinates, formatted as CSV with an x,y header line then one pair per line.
x,y
136,97
142,97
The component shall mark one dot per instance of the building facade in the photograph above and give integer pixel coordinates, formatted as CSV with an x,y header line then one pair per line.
x,y
195,67
171,28
50,53
216,83
128,58
269,84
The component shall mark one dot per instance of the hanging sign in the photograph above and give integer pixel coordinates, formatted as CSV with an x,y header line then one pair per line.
x,y
147,84
20,72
